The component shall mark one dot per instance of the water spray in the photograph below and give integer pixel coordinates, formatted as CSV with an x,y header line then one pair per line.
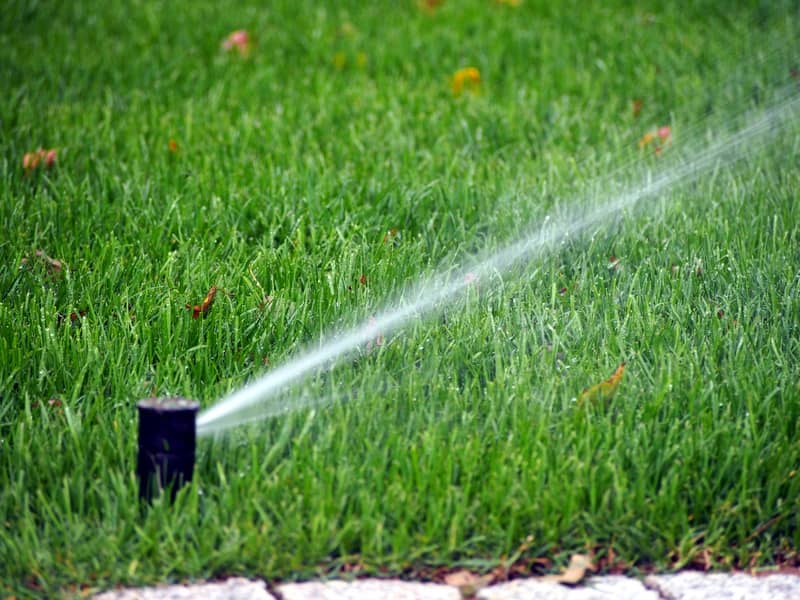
x,y
167,434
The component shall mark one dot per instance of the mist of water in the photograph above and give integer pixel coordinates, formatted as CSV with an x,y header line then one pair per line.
x,y
445,287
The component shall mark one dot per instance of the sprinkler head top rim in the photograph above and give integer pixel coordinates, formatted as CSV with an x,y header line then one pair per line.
x,y
175,403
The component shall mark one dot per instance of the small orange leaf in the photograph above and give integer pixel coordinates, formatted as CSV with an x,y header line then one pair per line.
x,y
204,307
646,139
604,390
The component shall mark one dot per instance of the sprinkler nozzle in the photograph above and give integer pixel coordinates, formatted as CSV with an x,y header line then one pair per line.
x,y
167,434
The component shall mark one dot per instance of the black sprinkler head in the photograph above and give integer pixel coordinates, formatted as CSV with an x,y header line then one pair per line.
x,y
167,433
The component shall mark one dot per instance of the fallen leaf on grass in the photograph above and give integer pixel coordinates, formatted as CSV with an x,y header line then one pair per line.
x,y
172,146
660,138
604,390
392,236
575,572
74,317
467,582
52,265
32,160
55,403
636,107
238,40
466,79
430,5
204,307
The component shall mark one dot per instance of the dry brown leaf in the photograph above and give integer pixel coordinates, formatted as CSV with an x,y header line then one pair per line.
x,y
467,582
575,572
52,265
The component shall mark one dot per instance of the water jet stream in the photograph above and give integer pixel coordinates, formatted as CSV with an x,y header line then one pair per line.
x,y
445,287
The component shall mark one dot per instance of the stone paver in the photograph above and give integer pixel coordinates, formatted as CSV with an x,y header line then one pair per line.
x,y
721,586
682,586
596,588
367,589
230,589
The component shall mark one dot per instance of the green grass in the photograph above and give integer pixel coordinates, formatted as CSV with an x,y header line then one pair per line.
x,y
461,442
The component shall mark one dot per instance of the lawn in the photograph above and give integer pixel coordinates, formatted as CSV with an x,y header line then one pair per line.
x,y
315,172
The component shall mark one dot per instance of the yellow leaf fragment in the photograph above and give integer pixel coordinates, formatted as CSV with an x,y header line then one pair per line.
x,y
466,79
604,390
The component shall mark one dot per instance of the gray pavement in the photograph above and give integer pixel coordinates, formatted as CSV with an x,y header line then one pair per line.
x,y
230,589
720,586
367,588
595,588
682,586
